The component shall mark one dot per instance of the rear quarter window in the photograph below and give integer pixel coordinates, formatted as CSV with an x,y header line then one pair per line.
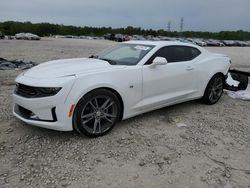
x,y
182,53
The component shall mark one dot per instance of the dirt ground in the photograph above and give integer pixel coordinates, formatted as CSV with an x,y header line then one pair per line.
x,y
150,150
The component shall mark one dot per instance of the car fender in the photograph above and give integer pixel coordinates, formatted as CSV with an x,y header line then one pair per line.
x,y
127,83
209,66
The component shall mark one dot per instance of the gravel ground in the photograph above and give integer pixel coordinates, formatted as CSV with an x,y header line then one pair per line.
x,y
150,150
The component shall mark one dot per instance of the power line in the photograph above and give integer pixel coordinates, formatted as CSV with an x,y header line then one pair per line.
x,y
181,24
169,26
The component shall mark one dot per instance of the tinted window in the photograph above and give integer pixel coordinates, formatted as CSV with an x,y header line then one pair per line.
x,y
176,54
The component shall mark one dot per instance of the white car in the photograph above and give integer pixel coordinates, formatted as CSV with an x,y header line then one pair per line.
x,y
90,95
27,36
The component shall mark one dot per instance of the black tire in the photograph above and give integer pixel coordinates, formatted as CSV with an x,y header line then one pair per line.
x,y
214,89
97,113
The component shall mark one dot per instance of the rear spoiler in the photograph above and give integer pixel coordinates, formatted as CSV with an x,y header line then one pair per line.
x,y
239,76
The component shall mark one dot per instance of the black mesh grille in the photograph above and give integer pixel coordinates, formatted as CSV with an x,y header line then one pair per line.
x,y
35,92
26,91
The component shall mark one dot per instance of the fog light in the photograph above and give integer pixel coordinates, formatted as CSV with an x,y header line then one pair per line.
x,y
34,116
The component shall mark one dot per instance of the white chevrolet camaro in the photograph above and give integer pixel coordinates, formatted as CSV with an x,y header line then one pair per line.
x,y
90,95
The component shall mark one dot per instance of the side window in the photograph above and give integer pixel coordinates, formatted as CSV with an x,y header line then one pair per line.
x,y
183,53
176,54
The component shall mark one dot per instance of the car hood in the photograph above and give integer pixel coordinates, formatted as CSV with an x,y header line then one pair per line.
x,y
68,67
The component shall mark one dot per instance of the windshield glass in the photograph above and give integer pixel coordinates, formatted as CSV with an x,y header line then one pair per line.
x,y
124,54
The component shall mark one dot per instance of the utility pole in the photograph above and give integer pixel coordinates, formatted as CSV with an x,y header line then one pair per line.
x,y
169,26
182,24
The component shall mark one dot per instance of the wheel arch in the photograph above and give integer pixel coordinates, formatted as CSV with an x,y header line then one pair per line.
x,y
221,74
111,90
218,73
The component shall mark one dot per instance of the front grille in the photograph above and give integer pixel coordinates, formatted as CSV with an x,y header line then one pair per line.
x,y
35,92
26,91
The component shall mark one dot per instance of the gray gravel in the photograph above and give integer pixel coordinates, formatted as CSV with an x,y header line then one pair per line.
x,y
150,150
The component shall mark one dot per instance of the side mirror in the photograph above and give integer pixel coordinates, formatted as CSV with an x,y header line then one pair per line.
x,y
159,61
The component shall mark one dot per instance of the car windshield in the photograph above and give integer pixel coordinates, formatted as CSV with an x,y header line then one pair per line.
x,y
124,54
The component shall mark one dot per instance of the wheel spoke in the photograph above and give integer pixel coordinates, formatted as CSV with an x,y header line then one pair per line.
x,y
87,115
211,95
109,115
87,120
105,103
215,96
107,107
92,105
106,118
99,126
96,103
217,81
219,86
95,125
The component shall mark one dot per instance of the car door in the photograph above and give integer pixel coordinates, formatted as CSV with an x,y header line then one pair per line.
x,y
172,82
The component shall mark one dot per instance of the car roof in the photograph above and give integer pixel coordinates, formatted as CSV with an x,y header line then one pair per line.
x,y
161,43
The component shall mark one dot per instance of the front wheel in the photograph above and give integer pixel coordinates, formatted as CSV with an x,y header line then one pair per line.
x,y
97,113
214,89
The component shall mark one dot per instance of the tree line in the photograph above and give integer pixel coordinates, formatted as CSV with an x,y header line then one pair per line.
x,y
47,29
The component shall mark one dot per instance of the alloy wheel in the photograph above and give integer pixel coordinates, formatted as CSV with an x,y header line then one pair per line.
x,y
215,89
99,114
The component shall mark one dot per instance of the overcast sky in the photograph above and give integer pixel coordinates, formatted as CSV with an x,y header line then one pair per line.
x,y
199,15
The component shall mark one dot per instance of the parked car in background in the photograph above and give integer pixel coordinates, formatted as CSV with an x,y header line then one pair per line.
x,y
109,36
10,37
229,42
241,43
200,42
27,36
1,35
90,95
166,38
213,42
119,37
183,40
139,37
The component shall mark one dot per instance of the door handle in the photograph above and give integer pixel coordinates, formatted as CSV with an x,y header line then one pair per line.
x,y
189,68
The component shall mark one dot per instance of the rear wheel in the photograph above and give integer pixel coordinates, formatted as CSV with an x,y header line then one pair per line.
x,y
97,113
214,89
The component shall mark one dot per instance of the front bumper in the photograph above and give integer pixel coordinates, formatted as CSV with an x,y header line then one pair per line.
x,y
47,112
44,124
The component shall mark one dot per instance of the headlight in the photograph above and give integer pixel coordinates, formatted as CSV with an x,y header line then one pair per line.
x,y
49,90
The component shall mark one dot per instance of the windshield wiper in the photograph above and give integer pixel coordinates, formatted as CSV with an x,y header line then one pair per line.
x,y
111,62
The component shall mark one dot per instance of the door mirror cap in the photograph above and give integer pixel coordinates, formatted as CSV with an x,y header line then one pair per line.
x,y
159,61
